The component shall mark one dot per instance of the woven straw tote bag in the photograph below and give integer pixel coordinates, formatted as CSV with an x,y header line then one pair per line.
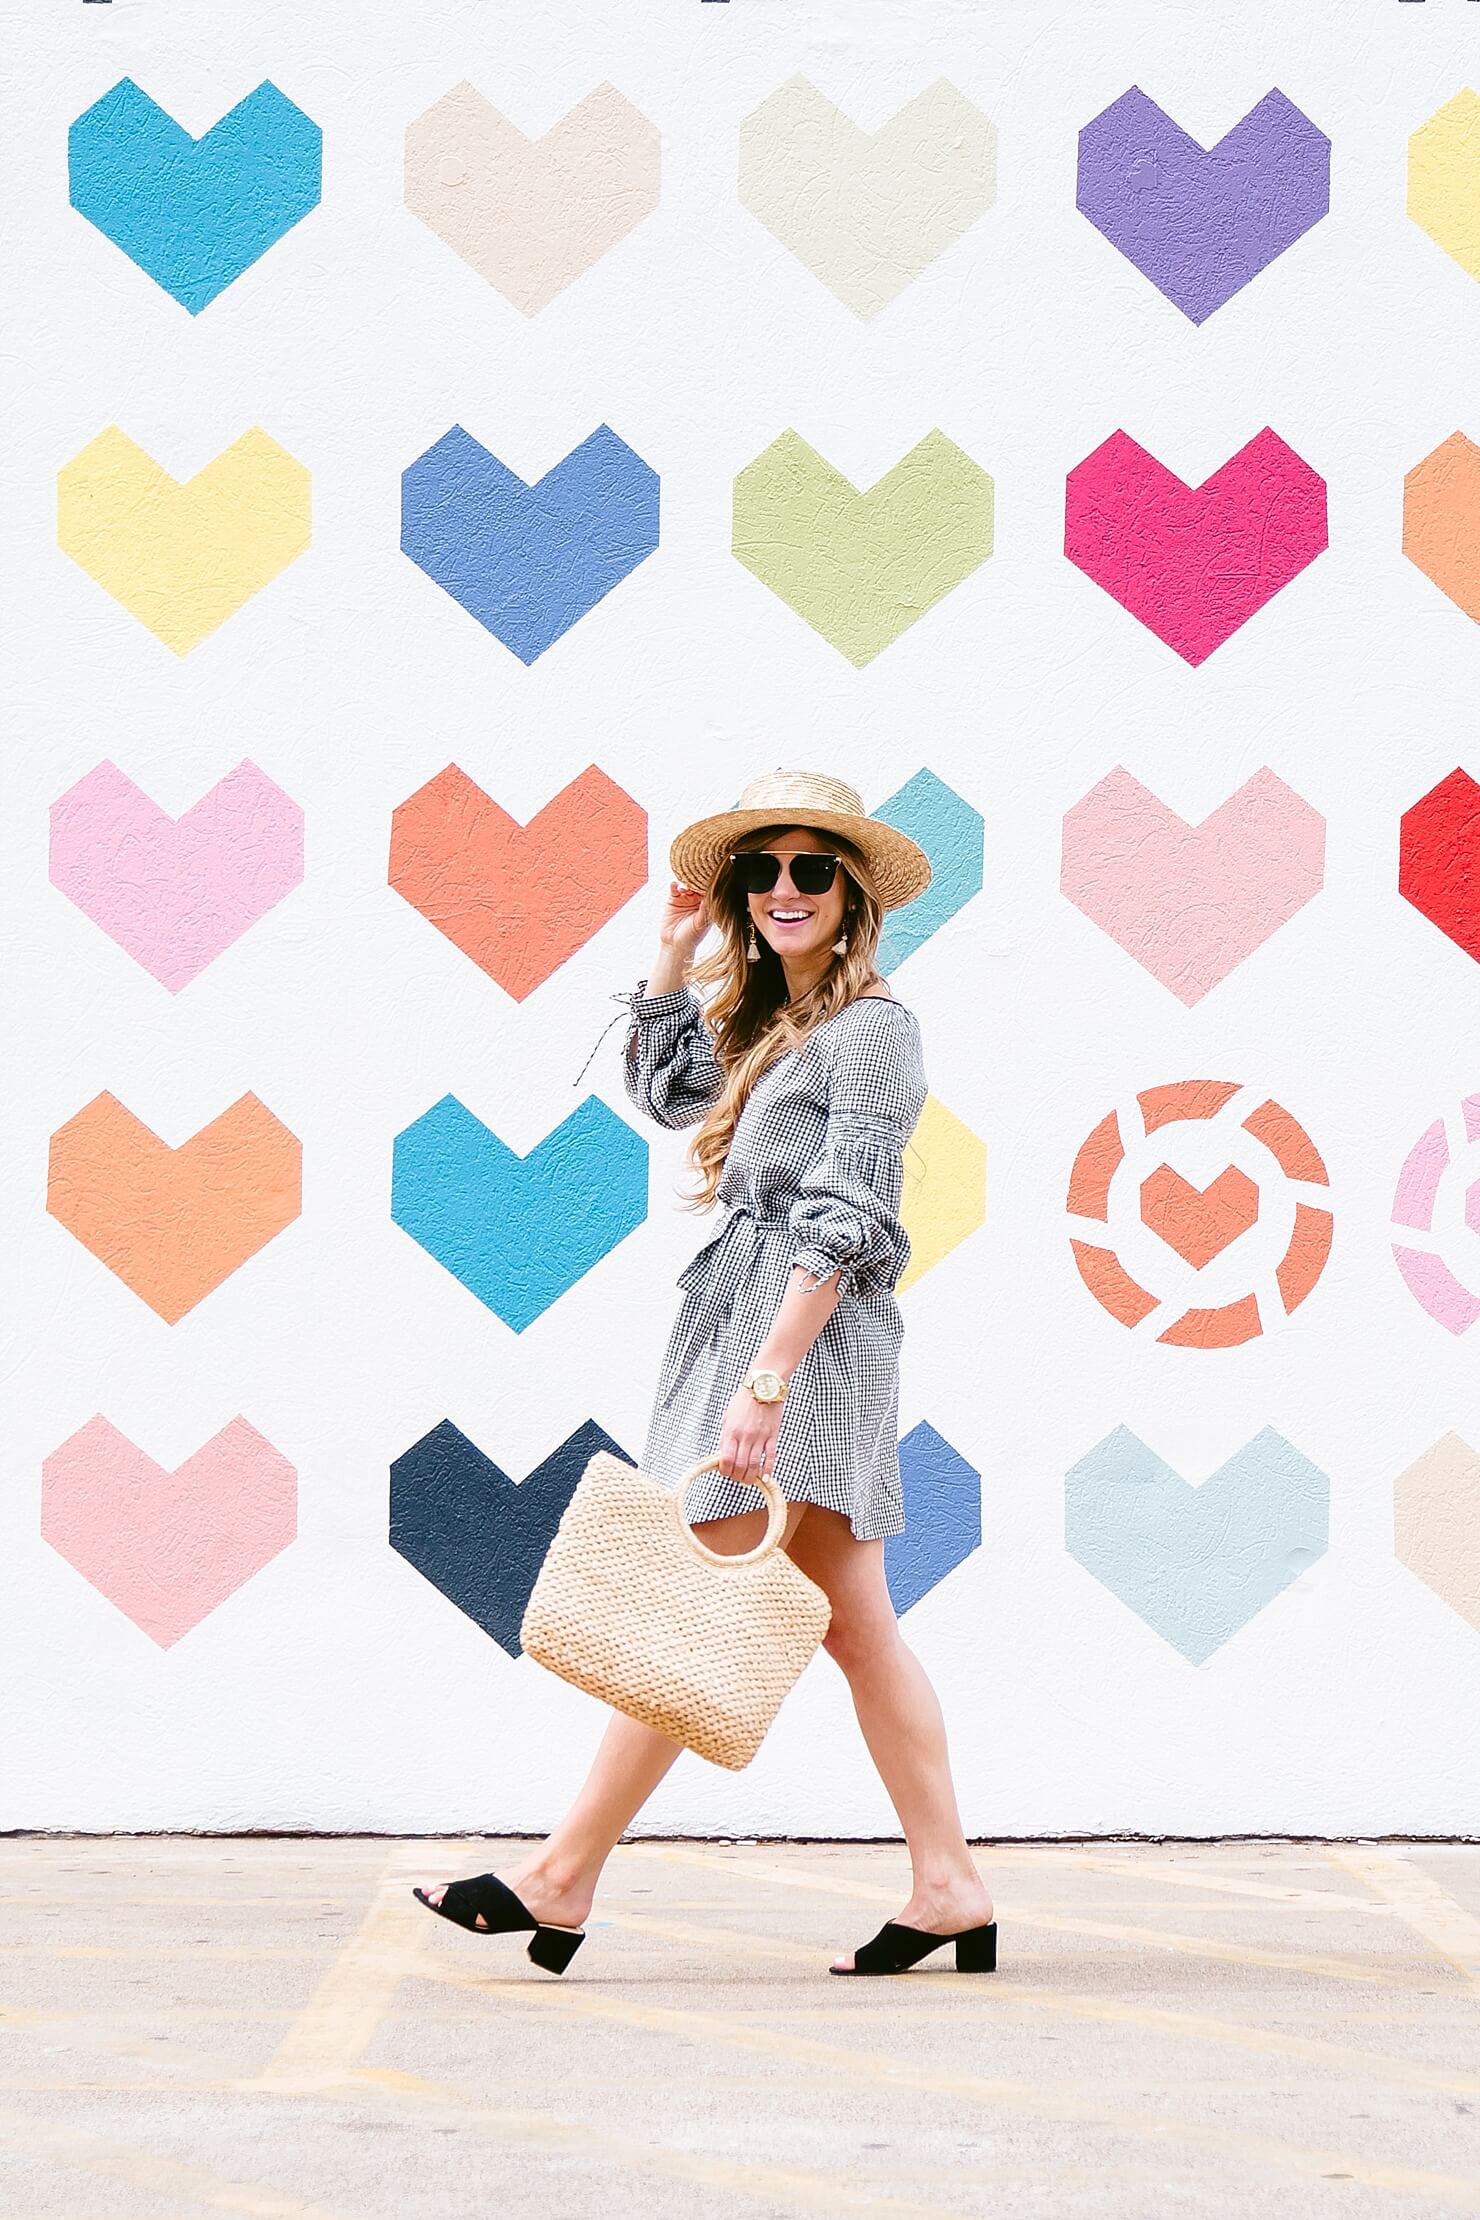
x,y
631,1606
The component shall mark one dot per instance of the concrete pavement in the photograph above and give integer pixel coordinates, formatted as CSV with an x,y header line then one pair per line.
x,y
274,2028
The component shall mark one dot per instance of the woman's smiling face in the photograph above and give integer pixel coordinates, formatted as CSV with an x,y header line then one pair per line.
x,y
797,925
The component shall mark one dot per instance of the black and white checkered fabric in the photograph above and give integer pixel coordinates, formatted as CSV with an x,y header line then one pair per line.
x,y
813,1177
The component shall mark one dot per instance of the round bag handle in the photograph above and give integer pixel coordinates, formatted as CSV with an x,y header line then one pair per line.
x,y
775,1523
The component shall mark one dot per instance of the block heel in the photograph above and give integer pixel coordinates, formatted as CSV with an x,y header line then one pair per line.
x,y
976,1950
553,1947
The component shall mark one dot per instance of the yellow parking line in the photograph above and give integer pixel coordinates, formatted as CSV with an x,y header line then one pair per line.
x,y
1196,1946
346,2009
1038,2099
148,2170
1418,1900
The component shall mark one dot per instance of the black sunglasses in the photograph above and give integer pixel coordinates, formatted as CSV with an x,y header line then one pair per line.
x,y
758,869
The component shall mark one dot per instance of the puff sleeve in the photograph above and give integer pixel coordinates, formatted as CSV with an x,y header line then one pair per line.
x,y
668,1060
845,1217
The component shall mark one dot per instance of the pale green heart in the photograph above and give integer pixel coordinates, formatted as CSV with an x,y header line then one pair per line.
x,y
867,211
860,568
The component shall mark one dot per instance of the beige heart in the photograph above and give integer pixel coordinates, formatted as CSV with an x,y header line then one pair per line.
x,y
531,215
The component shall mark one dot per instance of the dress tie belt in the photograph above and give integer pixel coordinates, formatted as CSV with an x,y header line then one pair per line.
x,y
717,1275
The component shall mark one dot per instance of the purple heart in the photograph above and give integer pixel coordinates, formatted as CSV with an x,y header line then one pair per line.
x,y
1200,222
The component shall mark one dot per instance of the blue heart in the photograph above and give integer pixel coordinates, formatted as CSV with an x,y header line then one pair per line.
x,y
528,561
943,1515
479,1537
951,833
194,213
1196,1563
519,1230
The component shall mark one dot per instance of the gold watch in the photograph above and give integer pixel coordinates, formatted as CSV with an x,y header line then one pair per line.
x,y
766,1386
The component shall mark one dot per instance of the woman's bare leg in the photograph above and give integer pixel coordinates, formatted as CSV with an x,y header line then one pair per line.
x,y
901,1722
557,1879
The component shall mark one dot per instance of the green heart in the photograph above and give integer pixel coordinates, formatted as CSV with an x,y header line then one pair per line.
x,y
860,568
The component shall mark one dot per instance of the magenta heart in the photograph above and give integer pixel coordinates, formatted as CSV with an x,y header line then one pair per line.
x,y
1193,563
168,1547
1190,902
173,892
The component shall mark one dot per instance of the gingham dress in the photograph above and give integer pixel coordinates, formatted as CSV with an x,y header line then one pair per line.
x,y
813,1177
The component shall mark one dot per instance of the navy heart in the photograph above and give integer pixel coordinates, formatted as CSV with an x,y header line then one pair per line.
x,y
479,1537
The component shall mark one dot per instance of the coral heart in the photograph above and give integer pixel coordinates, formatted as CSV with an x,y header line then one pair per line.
x,y
531,215
518,899
1193,563
168,1547
182,556
194,213
175,891
862,567
1199,1222
173,1223
528,561
1441,521
1200,222
1190,902
867,211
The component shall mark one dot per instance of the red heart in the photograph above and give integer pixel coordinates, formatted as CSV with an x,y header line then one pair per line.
x,y
518,899
1199,1221
1193,563
1439,859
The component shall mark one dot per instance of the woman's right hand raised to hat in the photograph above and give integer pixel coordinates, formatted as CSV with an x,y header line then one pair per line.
x,y
684,923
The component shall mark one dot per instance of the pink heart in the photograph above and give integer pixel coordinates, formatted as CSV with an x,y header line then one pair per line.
x,y
173,892
1190,902
168,1547
1193,563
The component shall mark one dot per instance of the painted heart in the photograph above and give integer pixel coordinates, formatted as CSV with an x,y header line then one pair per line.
x,y
173,1223
519,1231
168,1548
1427,1272
1201,222
861,568
182,556
194,213
1193,563
943,1517
1191,902
1441,521
175,891
1195,1563
1199,1222
518,899
1436,1524
1439,859
479,1537
1444,179
944,1189
867,211
531,215
951,833
528,561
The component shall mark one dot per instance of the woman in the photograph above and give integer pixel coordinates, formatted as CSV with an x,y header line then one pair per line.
x,y
804,1076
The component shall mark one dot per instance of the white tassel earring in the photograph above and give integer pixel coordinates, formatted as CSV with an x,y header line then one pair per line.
x,y
840,945
752,948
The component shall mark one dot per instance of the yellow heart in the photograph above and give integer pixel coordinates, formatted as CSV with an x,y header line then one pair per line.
x,y
945,1188
182,557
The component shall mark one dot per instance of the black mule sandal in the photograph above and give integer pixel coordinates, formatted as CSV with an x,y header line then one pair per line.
x,y
896,1948
551,1948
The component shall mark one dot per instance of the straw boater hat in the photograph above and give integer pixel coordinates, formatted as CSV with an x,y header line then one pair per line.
x,y
898,869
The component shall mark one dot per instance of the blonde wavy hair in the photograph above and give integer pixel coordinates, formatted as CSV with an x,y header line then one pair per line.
x,y
749,1015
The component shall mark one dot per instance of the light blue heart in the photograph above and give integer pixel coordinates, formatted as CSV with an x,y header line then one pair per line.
x,y
519,1231
943,1517
194,213
1195,1563
951,833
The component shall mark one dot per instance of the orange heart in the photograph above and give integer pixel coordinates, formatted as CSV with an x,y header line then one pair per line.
x,y
518,899
1199,1221
174,1223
